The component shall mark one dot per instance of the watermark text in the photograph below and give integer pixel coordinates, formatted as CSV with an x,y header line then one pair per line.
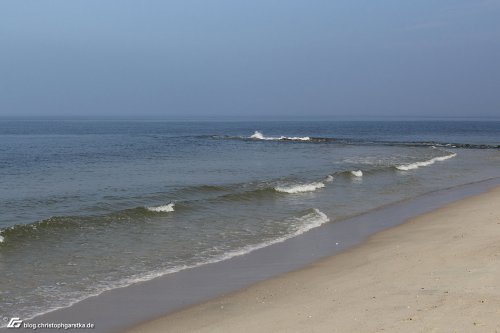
x,y
16,322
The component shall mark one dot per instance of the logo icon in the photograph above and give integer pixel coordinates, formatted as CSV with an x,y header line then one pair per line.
x,y
14,322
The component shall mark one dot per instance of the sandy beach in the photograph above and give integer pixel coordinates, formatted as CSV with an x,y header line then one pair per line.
x,y
436,273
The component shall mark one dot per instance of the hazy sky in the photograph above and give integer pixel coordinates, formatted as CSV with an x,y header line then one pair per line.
x,y
250,58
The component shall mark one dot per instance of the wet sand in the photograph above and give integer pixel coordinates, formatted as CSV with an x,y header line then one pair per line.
x,y
438,272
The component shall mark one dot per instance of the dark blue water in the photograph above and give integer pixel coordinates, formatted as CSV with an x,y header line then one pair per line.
x,y
91,205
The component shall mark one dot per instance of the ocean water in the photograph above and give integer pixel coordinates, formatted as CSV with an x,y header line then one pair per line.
x,y
88,206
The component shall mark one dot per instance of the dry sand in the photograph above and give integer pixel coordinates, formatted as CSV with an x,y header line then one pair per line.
x,y
439,272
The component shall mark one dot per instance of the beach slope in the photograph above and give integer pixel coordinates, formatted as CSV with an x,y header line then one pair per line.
x,y
438,272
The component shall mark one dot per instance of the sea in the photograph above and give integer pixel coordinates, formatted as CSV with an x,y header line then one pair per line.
x,y
92,205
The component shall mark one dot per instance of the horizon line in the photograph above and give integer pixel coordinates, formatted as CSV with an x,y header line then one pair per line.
x,y
310,118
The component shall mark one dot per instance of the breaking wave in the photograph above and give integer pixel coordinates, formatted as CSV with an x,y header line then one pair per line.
x,y
357,173
57,224
259,136
162,209
417,165
329,179
312,218
300,188
355,141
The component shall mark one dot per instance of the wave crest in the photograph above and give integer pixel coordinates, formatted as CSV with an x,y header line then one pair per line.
x,y
259,136
417,165
357,173
300,188
162,209
313,220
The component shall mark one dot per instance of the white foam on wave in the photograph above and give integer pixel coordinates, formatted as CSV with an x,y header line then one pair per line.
x,y
329,179
357,173
300,188
1,239
162,209
313,220
307,222
417,165
259,136
296,138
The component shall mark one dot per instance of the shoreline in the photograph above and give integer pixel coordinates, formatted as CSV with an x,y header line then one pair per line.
x,y
435,272
119,309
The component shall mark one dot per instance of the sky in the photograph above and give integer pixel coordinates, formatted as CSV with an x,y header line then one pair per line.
x,y
258,58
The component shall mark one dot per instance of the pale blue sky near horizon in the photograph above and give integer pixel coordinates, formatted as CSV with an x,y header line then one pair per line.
x,y
232,58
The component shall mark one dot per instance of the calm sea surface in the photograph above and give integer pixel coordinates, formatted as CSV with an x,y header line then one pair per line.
x,y
87,206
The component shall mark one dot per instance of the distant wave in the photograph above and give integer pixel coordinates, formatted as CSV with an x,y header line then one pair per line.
x,y
329,179
417,165
162,209
300,188
355,141
259,136
357,173
437,144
